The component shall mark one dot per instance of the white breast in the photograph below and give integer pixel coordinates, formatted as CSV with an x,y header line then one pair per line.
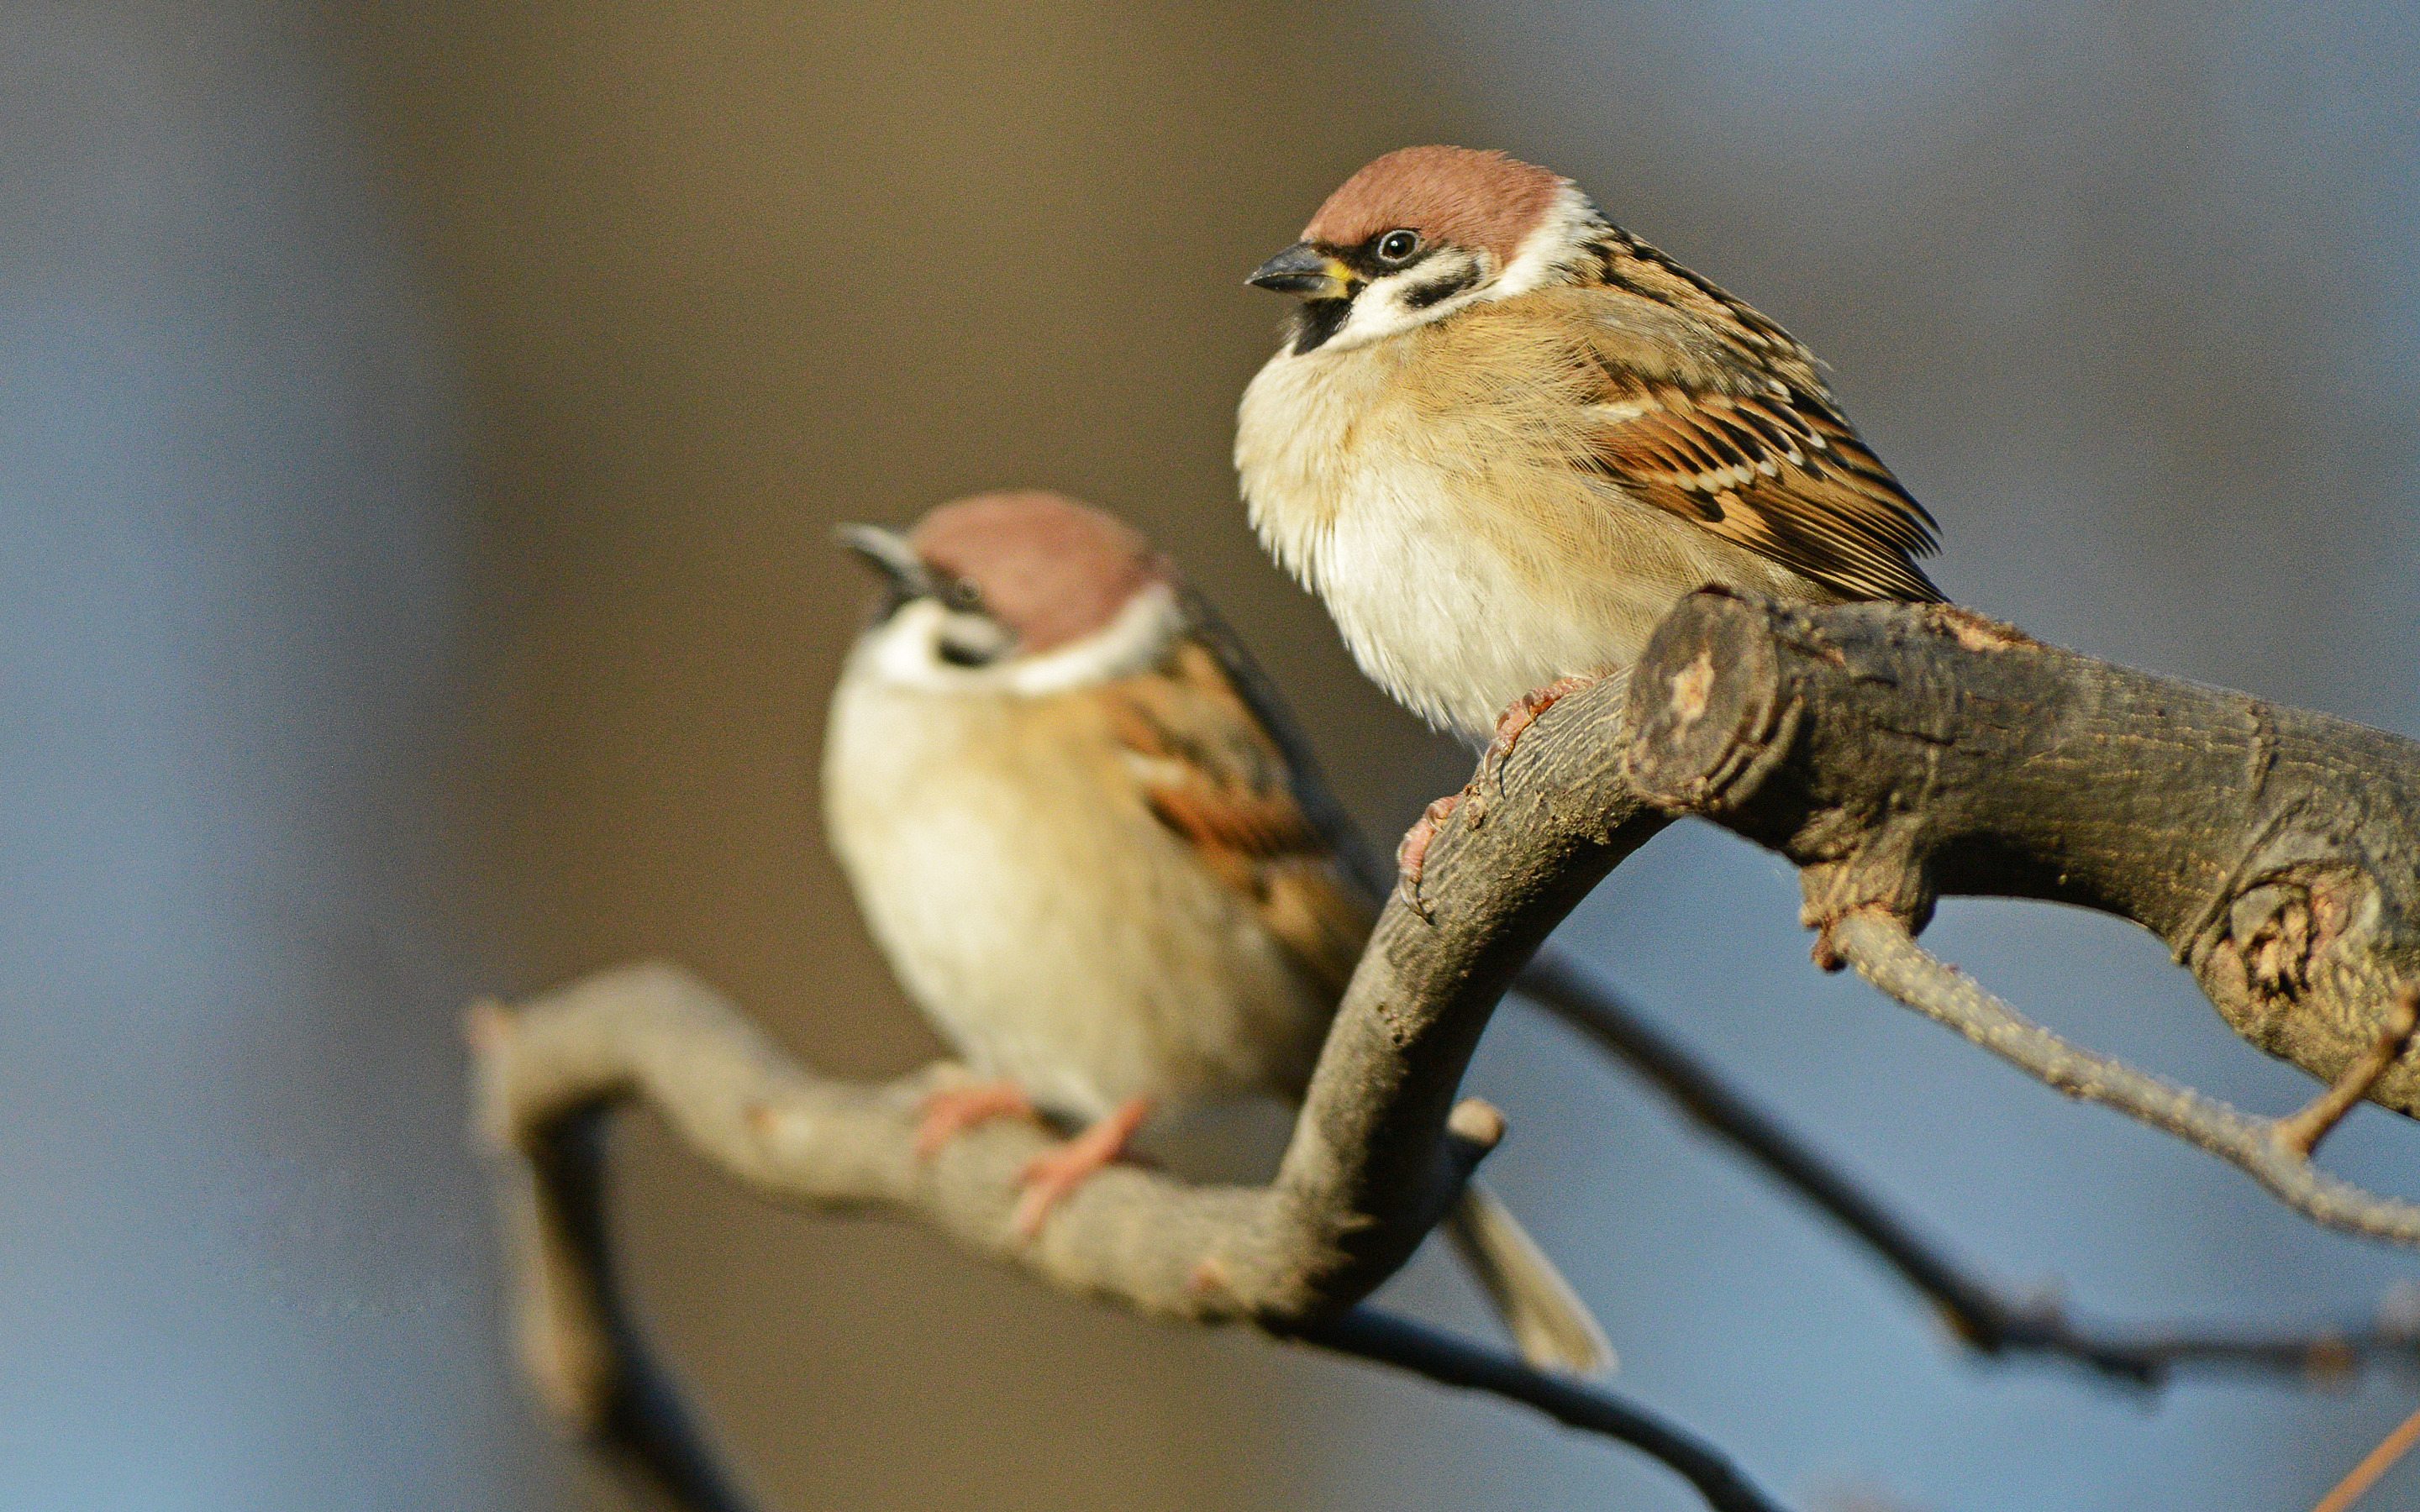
x,y
1053,931
1464,562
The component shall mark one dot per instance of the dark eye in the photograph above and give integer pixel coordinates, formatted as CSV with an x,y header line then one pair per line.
x,y
1396,247
962,594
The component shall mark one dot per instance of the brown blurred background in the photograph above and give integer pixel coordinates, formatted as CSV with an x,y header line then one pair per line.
x,y
722,280
425,426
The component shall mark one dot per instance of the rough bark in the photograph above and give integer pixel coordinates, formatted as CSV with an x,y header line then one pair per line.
x,y
1900,752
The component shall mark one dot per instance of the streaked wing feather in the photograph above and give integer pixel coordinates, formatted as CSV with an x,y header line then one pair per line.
x,y
1742,437
1782,473
1305,780
1215,776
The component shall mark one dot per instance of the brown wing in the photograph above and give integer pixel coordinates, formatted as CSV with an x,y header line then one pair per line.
x,y
1215,776
1742,437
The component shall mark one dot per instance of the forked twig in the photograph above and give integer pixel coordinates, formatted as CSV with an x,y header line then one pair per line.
x,y
1883,953
1982,1314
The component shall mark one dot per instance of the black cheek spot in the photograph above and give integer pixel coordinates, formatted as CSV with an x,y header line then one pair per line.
x,y
1442,290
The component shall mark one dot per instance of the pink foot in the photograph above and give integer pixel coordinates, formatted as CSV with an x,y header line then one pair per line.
x,y
1412,854
954,1110
1517,717
1049,1177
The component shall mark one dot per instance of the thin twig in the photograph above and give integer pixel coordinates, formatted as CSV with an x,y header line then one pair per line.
x,y
1370,1335
2302,1132
1888,956
2376,1463
1979,1313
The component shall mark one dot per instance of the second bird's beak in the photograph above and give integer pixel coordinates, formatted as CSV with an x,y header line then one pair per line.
x,y
1305,271
889,553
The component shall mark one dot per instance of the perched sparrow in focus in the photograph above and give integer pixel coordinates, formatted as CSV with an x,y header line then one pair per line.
x,y
1504,437
1092,849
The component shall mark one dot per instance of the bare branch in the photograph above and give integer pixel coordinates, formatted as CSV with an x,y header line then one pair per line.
x,y
1900,752
1372,1163
549,1070
2287,924
1883,953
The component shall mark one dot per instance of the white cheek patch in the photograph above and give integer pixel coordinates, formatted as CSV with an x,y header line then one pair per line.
x,y
1545,255
1137,638
906,649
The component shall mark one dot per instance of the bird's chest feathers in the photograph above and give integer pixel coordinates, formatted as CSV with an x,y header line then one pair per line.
x,y
1442,524
1037,911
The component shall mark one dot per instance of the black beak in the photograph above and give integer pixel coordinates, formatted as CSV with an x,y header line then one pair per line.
x,y
889,553
1305,271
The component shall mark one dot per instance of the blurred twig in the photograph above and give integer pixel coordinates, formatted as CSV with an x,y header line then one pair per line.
x,y
637,1421
1372,1335
1982,1315
2358,1481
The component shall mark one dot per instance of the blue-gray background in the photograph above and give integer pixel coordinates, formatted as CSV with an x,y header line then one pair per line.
x,y
420,429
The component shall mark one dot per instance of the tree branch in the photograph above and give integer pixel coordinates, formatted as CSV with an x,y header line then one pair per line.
x,y
1373,1162
1898,752
2289,900
1884,954
552,1069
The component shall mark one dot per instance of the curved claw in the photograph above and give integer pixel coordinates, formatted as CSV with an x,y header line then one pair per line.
x,y
1411,854
1517,717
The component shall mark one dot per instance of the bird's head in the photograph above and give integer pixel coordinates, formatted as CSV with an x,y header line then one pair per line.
x,y
1024,592
1424,232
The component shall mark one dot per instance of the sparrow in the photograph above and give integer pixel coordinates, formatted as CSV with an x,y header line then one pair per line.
x,y
1096,855
1502,437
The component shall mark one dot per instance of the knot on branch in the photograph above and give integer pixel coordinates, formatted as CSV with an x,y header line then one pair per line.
x,y
2278,928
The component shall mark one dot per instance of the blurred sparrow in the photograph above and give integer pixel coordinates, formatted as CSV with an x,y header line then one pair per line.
x,y
1504,436
1095,855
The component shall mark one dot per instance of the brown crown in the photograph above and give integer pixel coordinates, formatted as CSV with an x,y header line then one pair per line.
x,y
1051,569
1475,200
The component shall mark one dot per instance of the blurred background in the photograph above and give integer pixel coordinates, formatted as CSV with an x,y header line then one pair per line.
x,y
422,425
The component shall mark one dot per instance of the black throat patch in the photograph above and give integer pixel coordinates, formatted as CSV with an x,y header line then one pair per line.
x,y
1314,321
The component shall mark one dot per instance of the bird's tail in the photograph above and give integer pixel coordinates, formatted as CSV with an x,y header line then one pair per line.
x,y
1553,1329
